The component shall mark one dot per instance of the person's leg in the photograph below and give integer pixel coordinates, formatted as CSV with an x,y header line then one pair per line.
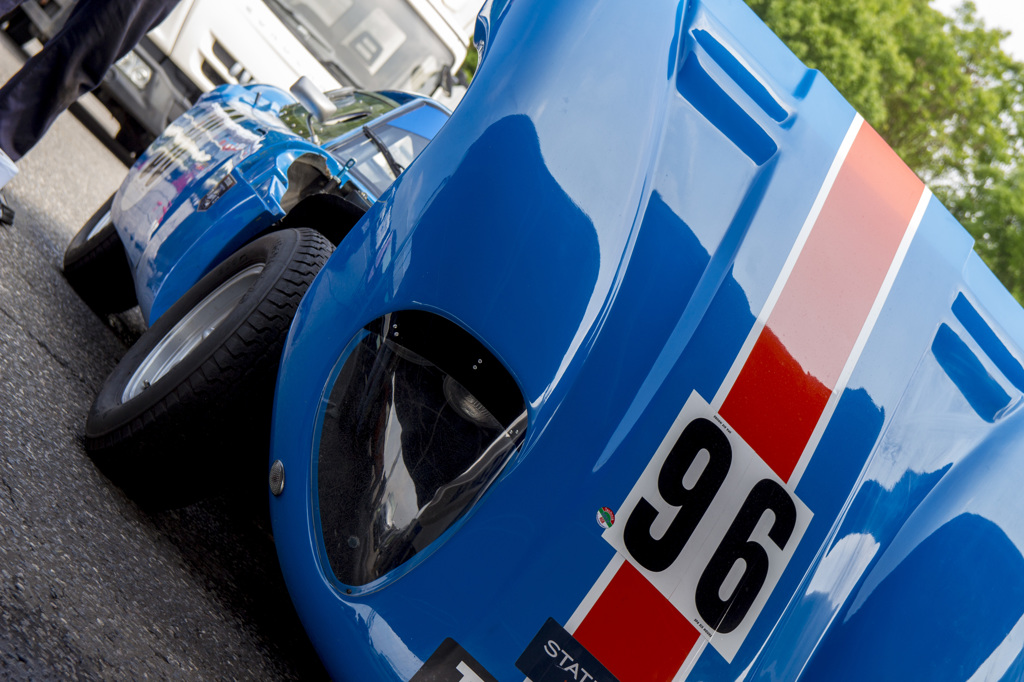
x,y
73,62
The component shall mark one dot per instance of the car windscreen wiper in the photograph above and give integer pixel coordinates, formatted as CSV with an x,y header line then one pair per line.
x,y
349,116
396,168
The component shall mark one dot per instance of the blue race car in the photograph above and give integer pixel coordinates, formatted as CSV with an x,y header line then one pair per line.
x,y
658,364
216,232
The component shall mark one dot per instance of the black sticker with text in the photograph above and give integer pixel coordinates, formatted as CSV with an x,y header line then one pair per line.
x,y
554,656
452,663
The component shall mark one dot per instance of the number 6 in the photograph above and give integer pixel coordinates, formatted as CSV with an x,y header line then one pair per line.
x,y
724,615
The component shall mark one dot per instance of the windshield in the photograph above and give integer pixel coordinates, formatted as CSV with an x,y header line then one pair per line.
x,y
373,44
377,156
349,104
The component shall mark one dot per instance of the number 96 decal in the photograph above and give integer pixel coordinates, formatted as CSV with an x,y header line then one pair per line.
x,y
710,525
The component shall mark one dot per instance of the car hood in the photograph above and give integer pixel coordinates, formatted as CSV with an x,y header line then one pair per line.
x,y
675,236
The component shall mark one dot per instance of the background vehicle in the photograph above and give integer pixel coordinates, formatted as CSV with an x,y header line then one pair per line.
x,y
410,45
216,232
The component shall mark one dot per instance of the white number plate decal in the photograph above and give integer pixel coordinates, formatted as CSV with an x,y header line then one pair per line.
x,y
710,525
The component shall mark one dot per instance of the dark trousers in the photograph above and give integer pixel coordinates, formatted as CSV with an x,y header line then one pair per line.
x,y
72,63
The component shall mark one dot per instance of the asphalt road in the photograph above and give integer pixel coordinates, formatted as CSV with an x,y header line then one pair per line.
x,y
92,587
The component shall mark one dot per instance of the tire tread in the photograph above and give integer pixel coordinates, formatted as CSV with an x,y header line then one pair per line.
x,y
224,405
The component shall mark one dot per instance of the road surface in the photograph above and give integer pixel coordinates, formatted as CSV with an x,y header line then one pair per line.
x,y
91,587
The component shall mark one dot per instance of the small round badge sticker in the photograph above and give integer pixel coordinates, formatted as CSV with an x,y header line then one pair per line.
x,y
605,517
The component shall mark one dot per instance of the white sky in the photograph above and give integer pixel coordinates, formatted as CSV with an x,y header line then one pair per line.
x,y
1004,14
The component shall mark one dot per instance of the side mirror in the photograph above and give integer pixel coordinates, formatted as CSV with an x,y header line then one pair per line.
x,y
316,102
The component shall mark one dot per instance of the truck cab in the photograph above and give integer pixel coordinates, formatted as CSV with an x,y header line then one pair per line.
x,y
411,45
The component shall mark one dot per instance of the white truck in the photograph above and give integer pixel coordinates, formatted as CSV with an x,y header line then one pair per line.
x,y
410,45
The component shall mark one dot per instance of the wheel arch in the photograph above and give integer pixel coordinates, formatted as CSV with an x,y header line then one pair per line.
x,y
319,199
315,199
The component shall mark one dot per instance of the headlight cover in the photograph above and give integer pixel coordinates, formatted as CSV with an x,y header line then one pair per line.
x,y
420,420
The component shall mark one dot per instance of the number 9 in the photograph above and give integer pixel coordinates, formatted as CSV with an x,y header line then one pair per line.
x,y
657,554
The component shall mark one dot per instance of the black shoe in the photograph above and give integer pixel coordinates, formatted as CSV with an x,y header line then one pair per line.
x,y
6,212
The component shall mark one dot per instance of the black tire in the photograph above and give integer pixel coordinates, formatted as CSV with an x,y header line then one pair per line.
x,y
205,423
96,266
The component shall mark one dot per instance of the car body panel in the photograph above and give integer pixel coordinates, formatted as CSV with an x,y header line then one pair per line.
x,y
620,206
217,177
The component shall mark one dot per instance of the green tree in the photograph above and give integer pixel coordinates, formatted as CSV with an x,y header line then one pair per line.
x,y
941,91
469,64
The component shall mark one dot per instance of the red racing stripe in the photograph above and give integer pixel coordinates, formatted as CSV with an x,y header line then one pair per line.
x,y
783,384
790,373
636,649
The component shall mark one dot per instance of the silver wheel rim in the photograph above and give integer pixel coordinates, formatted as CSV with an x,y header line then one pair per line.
x,y
100,224
190,331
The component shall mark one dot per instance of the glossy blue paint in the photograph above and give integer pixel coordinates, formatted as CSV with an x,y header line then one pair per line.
x,y
232,135
899,430
606,211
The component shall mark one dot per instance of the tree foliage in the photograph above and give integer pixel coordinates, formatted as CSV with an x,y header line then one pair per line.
x,y
941,91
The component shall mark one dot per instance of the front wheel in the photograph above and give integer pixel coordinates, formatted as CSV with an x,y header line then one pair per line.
x,y
189,405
